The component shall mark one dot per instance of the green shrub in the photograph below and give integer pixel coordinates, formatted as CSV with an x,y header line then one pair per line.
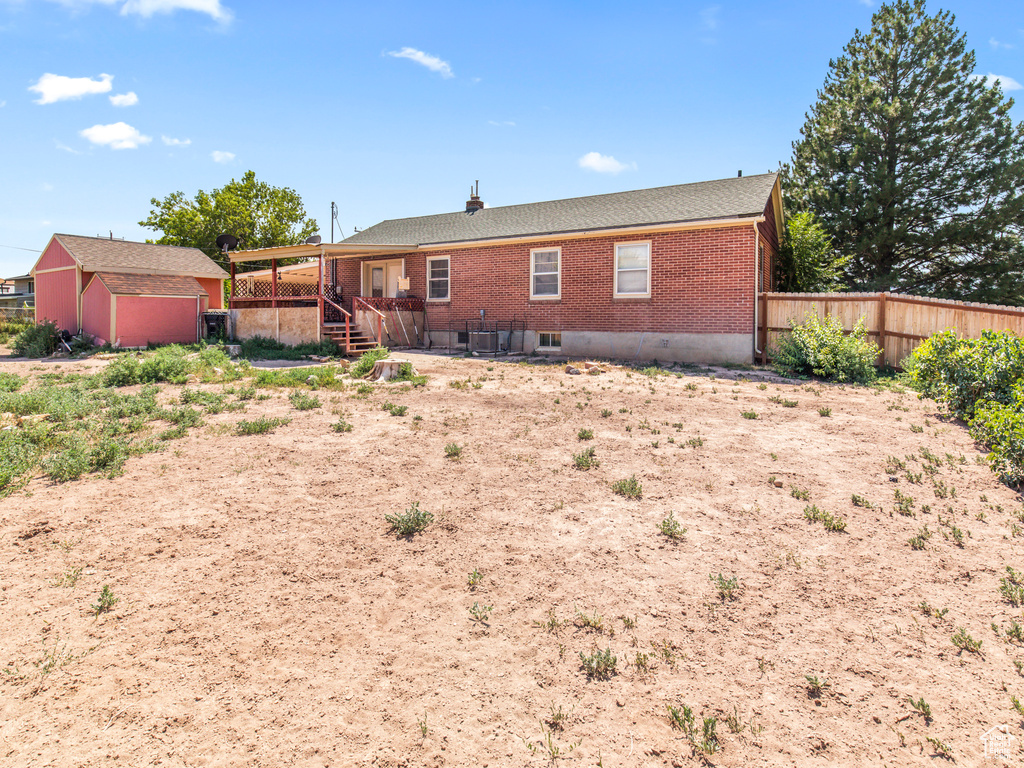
x,y
36,341
261,348
821,348
302,402
18,456
964,373
1001,428
630,488
364,364
123,371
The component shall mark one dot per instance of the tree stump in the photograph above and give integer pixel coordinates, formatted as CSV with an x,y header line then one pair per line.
x,y
385,370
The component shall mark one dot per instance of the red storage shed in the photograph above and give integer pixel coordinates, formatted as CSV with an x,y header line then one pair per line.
x,y
125,292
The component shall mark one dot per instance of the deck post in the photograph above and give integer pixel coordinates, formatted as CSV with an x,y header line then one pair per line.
x,y
273,283
320,290
763,328
231,294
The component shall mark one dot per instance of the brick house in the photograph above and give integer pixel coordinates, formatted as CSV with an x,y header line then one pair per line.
x,y
670,273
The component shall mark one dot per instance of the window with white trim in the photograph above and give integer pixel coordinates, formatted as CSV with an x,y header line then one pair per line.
x,y
438,279
549,340
545,273
633,269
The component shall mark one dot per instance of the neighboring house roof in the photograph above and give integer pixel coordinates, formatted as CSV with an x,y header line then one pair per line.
x,y
94,254
739,197
19,277
127,284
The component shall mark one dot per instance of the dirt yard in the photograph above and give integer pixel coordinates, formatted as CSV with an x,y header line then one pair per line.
x,y
266,616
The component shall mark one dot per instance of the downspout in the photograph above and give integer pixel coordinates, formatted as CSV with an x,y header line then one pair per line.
x,y
757,277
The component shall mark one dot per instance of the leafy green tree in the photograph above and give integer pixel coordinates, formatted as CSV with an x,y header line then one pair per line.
x,y
807,259
259,215
911,162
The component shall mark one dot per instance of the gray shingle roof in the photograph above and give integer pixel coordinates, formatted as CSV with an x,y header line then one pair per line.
x,y
722,199
98,253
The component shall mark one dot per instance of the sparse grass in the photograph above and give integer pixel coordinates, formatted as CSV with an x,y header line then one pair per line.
x,y
260,426
941,748
749,414
395,410
1011,587
860,501
585,434
453,451
904,503
414,520
797,493
68,577
341,426
921,707
920,540
301,401
816,686
629,488
475,577
831,522
605,413
964,642
824,412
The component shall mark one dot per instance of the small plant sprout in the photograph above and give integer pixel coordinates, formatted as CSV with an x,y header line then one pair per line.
x,y
480,613
412,521
921,707
964,642
749,414
422,725
726,587
941,748
1017,706
548,747
816,686
671,528
585,434
453,451
824,412
106,601
559,717
593,621
475,577
832,523
797,493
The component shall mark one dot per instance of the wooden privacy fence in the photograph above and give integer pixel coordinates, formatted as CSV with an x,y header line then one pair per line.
x,y
895,321
17,314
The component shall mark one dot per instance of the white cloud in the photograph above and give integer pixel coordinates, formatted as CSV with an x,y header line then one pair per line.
x,y
433,63
222,157
595,161
175,142
52,88
66,148
124,99
1007,83
868,3
709,17
147,8
115,136
502,123
997,44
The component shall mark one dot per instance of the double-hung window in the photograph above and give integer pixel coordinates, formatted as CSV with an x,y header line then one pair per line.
x,y
545,273
633,270
438,279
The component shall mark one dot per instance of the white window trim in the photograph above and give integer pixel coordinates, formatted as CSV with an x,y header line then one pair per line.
x,y
539,348
615,268
448,297
545,297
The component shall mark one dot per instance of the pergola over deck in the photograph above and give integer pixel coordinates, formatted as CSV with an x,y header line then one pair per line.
x,y
306,282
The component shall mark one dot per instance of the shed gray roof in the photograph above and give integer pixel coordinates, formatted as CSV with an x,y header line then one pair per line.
x,y
100,254
706,200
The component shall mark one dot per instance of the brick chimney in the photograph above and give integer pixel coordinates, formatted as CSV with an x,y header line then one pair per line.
x,y
474,203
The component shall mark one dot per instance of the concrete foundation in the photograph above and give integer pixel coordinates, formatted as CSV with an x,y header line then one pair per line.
x,y
288,325
664,347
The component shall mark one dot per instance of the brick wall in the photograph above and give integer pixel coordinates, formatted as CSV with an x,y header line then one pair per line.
x,y
702,281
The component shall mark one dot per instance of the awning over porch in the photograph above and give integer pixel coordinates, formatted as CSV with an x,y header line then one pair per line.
x,y
326,250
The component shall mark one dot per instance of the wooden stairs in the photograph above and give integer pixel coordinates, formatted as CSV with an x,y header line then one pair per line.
x,y
352,341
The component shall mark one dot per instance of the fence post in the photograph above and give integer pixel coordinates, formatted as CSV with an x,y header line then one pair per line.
x,y
881,322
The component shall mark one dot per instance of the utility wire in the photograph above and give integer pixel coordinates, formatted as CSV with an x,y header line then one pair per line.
x,y
18,248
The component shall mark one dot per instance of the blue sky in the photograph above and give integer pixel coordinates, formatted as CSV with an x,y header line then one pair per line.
x,y
393,109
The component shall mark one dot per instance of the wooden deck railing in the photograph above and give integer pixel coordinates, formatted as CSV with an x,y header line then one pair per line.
x,y
358,300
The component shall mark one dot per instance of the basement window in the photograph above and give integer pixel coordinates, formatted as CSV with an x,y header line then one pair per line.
x,y
549,340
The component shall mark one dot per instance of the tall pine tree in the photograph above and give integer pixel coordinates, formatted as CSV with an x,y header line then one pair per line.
x,y
912,164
